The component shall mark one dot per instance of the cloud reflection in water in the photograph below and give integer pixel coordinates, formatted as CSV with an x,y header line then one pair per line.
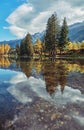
x,y
28,89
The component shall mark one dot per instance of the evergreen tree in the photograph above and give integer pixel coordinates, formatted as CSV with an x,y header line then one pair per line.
x,y
51,36
23,49
63,40
26,47
29,46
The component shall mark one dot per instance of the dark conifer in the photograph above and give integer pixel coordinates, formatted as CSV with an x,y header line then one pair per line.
x,y
29,46
63,40
26,47
51,36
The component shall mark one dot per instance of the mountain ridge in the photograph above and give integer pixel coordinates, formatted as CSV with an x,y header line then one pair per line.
x,y
76,32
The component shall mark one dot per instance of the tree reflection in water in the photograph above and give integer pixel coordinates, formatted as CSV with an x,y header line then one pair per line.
x,y
54,74
38,65
26,67
4,62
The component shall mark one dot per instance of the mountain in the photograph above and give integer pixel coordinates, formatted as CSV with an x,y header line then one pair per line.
x,y
76,33
13,43
38,35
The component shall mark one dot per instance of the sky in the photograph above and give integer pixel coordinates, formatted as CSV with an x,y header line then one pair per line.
x,y
18,17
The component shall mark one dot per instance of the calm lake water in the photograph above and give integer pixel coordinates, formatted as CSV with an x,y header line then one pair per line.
x,y
48,94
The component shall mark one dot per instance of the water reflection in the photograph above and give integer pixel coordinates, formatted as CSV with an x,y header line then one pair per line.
x,y
7,101
38,66
54,74
45,80
26,67
4,62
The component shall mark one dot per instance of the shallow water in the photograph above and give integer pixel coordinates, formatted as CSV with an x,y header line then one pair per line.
x,y
57,84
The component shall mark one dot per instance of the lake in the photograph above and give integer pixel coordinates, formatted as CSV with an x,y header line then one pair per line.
x,y
41,94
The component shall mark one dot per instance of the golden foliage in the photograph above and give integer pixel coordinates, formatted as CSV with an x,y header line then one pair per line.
x,y
82,45
4,49
75,46
38,45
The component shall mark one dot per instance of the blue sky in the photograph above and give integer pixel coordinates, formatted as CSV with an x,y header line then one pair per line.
x,y
6,7
18,17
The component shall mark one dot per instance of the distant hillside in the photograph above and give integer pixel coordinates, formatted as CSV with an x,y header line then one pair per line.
x,y
76,33
38,35
13,43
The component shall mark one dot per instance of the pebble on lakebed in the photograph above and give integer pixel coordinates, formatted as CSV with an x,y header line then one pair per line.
x,y
43,115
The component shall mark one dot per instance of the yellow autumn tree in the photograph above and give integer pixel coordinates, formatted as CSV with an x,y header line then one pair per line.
x,y
79,45
69,46
38,46
73,46
4,49
82,45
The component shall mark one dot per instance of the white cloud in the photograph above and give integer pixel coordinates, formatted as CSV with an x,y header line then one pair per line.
x,y
38,23
19,13
19,32
32,16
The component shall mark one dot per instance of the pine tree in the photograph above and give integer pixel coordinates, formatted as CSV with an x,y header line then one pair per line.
x,y
23,49
63,40
26,47
29,46
51,36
